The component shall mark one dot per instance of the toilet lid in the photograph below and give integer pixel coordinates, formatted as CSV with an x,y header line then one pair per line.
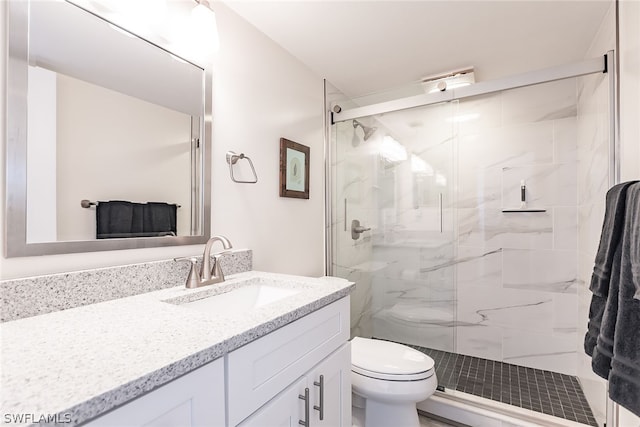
x,y
378,358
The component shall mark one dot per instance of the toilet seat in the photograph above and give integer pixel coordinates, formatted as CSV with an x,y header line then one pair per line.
x,y
390,361
392,377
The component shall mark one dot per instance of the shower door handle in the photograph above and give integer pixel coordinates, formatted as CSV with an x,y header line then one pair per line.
x,y
357,229
440,209
345,214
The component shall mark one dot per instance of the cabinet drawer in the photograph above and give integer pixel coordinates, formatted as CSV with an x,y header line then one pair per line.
x,y
261,369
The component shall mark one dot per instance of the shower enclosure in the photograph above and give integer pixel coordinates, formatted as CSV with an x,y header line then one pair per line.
x,y
466,220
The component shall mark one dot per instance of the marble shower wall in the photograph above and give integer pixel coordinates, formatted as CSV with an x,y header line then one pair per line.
x,y
502,286
516,273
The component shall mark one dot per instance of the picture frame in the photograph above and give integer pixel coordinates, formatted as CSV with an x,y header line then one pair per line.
x,y
294,169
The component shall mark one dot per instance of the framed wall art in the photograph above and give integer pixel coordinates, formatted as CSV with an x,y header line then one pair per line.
x,y
294,169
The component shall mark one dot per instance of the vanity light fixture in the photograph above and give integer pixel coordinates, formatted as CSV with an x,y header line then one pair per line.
x,y
449,80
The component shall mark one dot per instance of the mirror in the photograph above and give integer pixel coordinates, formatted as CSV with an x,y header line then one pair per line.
x,y
97,113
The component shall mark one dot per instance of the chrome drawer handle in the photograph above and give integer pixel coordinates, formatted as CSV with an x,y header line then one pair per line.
x,y
321,407
305,423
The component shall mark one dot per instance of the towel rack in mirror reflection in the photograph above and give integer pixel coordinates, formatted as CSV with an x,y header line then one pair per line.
x,y
232,159
88,203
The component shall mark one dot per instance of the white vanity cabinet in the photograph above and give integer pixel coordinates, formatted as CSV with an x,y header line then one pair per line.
x,y
296,373
195,399
268,377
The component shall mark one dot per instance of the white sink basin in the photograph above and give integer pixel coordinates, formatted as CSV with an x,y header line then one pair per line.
x,y
241,299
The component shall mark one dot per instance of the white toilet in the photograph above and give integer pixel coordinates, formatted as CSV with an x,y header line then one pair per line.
x,y
387,380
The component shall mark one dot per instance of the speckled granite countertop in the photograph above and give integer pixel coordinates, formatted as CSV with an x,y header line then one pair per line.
x,y
82,362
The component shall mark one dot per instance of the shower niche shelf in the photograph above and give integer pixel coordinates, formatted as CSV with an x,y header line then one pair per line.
x,y
523,202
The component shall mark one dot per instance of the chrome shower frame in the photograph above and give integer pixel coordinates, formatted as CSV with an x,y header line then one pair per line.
x,y
576,69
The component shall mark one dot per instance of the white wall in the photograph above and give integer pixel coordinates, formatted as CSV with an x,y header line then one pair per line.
x,y
261,93
629,33
41,152
145,158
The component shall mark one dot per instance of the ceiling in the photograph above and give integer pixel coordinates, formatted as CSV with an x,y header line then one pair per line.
x,y
364,47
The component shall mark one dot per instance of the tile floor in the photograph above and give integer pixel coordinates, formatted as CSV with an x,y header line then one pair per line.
x,y
542,391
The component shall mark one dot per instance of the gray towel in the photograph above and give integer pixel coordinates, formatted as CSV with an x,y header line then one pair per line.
x,y
602,354
624,379
123,219
610,239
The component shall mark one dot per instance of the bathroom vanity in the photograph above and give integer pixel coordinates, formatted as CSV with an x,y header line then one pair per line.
x,y
159,359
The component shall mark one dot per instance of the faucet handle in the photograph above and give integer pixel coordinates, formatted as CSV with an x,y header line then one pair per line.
x,y
217,270
193,279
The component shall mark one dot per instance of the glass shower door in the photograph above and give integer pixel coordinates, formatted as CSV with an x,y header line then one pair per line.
x,y
393,230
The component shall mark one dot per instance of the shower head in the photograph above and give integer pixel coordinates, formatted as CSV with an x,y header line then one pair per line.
x,y
368,131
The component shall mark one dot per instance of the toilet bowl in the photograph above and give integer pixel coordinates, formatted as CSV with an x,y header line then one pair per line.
x,y
387,380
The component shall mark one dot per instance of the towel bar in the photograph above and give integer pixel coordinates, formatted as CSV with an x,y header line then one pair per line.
x,y
232,159
88,203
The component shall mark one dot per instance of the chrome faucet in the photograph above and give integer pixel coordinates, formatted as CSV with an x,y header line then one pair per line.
x,y
208,274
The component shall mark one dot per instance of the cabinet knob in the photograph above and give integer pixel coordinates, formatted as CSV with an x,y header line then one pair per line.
x,y
305,423
320,408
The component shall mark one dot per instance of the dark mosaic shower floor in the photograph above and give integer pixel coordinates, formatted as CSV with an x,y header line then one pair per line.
x,y
541,391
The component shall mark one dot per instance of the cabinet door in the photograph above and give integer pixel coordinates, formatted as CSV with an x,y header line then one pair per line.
x,y
262,369
285,410
335,392
193,400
